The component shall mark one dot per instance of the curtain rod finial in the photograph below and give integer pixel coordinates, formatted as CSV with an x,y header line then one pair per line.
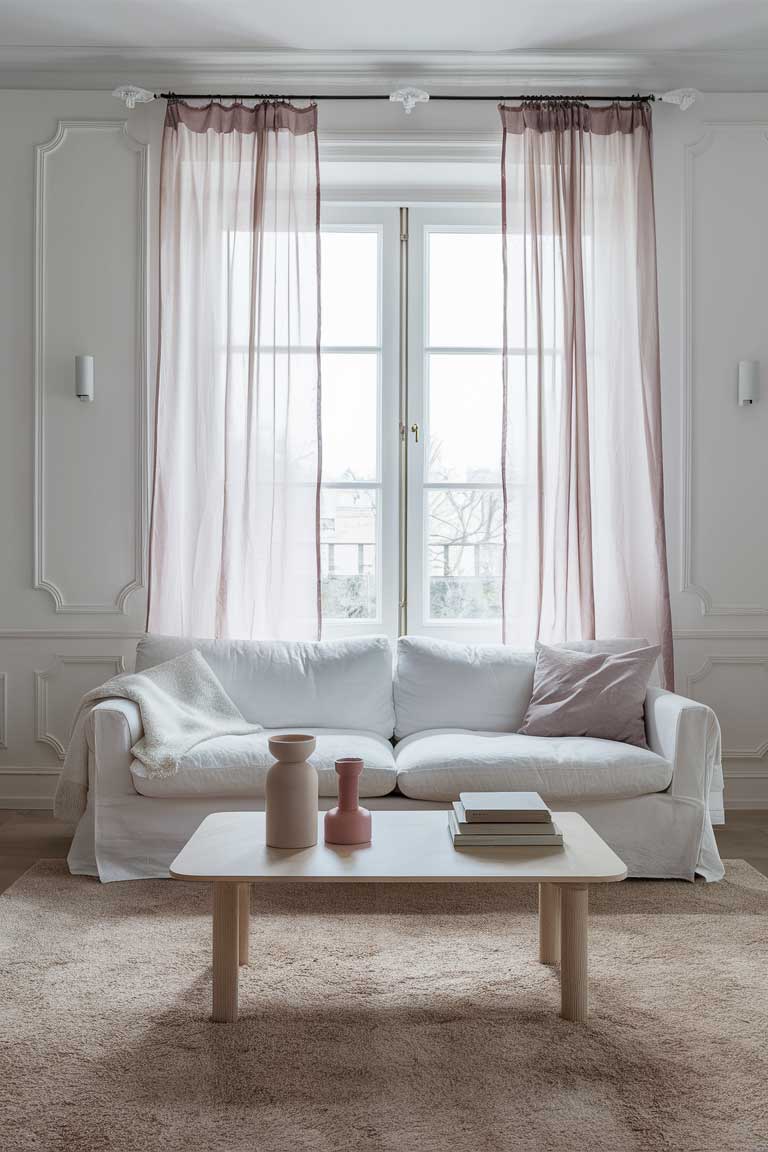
x,y
683,97
409,98
131,95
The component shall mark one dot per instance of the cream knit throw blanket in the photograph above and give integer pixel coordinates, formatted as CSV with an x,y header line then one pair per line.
x,y
181,702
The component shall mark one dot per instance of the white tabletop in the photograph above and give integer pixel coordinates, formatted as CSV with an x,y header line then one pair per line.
x,y
406,846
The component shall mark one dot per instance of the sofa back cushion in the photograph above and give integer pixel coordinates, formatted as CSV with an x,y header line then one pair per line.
x,y
295,683
482,687
439,684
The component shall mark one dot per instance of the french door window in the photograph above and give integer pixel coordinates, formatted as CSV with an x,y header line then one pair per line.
x,y
431,562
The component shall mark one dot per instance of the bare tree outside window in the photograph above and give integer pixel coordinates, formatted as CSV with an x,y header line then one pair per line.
x,y
465,526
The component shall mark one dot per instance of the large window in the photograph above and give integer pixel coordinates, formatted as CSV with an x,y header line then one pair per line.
x,y
450,433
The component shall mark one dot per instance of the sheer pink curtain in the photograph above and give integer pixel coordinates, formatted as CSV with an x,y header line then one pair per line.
x,y
235,519
584,542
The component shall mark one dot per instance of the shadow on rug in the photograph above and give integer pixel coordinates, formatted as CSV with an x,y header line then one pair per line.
x,y
381,1017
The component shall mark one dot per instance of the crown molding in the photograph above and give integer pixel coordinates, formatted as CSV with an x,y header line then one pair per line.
x,y
339,72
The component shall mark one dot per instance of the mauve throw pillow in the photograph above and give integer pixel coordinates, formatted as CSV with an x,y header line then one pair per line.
x,y
590,694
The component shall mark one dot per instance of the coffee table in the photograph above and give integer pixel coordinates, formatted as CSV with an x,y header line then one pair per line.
x,y
229,851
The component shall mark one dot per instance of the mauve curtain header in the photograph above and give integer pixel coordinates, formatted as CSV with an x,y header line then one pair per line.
x,y
557,116
268,116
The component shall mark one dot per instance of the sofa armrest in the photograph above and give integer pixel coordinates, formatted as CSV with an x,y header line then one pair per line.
x,y
688,735
112,729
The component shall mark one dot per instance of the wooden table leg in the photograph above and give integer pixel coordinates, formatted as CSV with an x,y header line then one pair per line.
x,y
226,898
549,924
244,923
574,988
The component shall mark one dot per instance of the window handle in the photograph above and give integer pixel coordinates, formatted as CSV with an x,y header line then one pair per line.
x,y
415,430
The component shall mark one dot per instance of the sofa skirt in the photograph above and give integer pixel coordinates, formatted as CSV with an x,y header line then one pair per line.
x,y
133,837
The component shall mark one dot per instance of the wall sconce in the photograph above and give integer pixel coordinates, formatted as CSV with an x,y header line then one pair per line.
x,y
749,382
84,377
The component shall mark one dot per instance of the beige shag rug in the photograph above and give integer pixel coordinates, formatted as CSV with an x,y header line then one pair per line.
x,y
378,1018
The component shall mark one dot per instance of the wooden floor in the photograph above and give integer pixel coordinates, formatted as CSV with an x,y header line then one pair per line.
x,y
26,837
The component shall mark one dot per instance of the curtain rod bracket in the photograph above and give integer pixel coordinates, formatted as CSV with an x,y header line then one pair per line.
x,y
683,97
131,95
409,98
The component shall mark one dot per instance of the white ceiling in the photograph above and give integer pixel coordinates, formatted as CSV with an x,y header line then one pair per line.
x,y
397,25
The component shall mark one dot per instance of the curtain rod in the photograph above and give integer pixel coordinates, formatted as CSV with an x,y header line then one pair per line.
x,y
636,98
409,97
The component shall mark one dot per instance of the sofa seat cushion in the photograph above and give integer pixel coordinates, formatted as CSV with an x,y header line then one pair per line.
x,y
238,765
439,764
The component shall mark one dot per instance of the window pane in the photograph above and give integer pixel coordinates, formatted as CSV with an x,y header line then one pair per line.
x,y
284,312
534,386
522,520
527,277
293,378
350,415
348,553
464,528
465,289
350,288
464,418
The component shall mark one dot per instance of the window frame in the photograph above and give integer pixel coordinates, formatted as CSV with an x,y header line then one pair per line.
x,y
384,220
480,218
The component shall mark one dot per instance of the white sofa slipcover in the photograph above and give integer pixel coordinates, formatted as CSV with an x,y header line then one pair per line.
x,y
650,805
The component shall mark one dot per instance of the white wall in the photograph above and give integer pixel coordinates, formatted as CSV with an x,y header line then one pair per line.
x,y
73,476
73,543
711,184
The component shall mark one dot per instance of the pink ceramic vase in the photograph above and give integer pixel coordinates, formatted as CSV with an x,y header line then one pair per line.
x,y
349,823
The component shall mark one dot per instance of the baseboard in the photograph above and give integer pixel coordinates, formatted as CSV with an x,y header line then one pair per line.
x,y
27,803
746,786
28,787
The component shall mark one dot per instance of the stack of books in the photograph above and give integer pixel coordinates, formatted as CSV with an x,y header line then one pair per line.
x,y
502,819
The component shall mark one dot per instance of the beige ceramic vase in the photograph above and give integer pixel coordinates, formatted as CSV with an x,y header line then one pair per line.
x,y
291,793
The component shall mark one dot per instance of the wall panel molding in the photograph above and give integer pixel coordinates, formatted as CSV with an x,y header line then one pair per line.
x,y
42,680
745,634
43,577
66,634
3,711
30,771
746,772
689,581
757,752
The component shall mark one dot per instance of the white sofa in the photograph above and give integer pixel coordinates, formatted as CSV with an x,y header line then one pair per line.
x,y
444,723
